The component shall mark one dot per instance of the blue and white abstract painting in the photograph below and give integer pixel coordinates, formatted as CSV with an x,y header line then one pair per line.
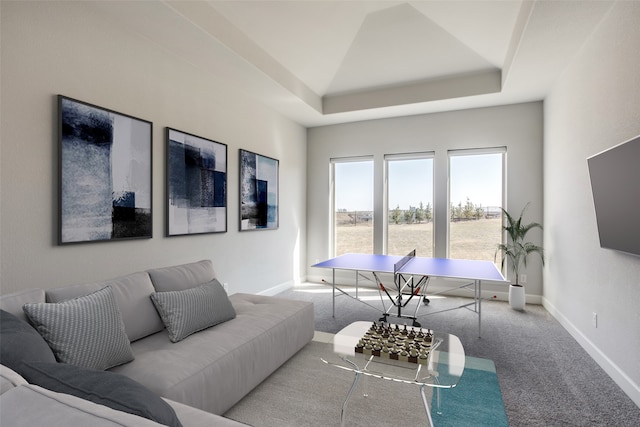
x,y
258,191
196,184
105,174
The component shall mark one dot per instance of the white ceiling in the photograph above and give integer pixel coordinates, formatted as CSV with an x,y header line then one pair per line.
x,y
325,62
354,45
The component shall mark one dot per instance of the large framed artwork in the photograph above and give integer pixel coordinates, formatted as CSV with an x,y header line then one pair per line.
x,y
104,174
258,192
196,184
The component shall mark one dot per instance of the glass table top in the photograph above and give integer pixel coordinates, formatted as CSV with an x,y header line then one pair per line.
x,y
399,353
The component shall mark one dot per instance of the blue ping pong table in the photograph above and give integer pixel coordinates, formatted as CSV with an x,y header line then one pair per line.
x,y
411,276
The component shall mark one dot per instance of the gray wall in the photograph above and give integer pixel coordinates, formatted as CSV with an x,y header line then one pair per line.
x,y
593,106
69,48
518,127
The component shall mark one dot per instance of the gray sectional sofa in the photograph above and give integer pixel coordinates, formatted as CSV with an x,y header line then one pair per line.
x,y
169,346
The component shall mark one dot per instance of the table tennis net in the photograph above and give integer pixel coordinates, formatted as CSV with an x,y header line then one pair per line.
x,y
398,265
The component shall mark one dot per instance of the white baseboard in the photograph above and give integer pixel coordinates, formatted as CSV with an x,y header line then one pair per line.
x,y
278,288
619,377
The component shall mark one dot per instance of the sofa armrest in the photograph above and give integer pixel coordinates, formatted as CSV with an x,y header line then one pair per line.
x,y
64,407
30,405
9,379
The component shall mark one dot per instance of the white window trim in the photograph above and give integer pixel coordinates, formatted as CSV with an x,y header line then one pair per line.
x,y
385,198
473,152
332,195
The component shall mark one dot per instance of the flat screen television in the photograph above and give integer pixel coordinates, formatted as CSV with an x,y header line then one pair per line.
x,y
615,184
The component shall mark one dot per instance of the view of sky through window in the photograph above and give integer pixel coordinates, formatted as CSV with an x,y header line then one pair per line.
x,y
355,189
475,189
481,175
476,177
410,182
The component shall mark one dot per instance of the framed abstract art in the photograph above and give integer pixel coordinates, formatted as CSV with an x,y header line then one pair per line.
x,y
196,184
104,174
258,192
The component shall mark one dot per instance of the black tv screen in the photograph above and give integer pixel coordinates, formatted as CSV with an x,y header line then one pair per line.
x,y
615,184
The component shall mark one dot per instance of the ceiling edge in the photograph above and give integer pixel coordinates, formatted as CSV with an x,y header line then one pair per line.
x,y
209,20
516,37
480,83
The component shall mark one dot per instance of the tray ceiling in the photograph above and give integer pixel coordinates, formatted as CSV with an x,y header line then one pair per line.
x,y
325,62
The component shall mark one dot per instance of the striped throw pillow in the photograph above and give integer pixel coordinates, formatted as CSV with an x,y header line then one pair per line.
x,y
87,331
191,310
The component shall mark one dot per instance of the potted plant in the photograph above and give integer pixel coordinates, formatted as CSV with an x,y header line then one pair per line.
x,y
517,250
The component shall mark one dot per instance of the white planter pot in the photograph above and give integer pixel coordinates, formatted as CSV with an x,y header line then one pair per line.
x,y
516,297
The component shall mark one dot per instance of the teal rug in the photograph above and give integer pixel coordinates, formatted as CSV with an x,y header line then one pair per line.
x,y
475,401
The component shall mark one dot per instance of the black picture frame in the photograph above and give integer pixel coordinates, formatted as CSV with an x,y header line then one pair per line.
x,y
259,192
196,184
104,174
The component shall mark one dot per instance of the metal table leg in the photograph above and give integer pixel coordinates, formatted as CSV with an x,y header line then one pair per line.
x,y
479,287
333,287
426,406
346,400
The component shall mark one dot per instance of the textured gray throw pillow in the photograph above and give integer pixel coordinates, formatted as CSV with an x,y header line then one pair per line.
x,y
191,310
87,331
104,388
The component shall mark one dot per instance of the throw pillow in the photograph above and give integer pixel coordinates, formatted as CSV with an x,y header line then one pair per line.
x,y
19,343
102,387
191,310
86,331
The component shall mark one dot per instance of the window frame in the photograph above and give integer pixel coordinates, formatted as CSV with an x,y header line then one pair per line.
x,y
332,191
473,152
422,155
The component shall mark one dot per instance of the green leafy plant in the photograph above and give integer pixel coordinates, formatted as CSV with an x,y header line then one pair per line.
x,y
517,250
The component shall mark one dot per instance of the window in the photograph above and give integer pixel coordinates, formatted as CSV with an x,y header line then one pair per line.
x,y
452,213
352,205
475,198
409,180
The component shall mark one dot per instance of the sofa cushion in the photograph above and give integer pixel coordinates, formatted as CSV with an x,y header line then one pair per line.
x,y
13,302
132,295
19,343
105,388
86,331
219,366
183,276
30,405
192,310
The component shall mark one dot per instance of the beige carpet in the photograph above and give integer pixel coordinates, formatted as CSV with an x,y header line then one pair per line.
x,y
544,382
307,392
